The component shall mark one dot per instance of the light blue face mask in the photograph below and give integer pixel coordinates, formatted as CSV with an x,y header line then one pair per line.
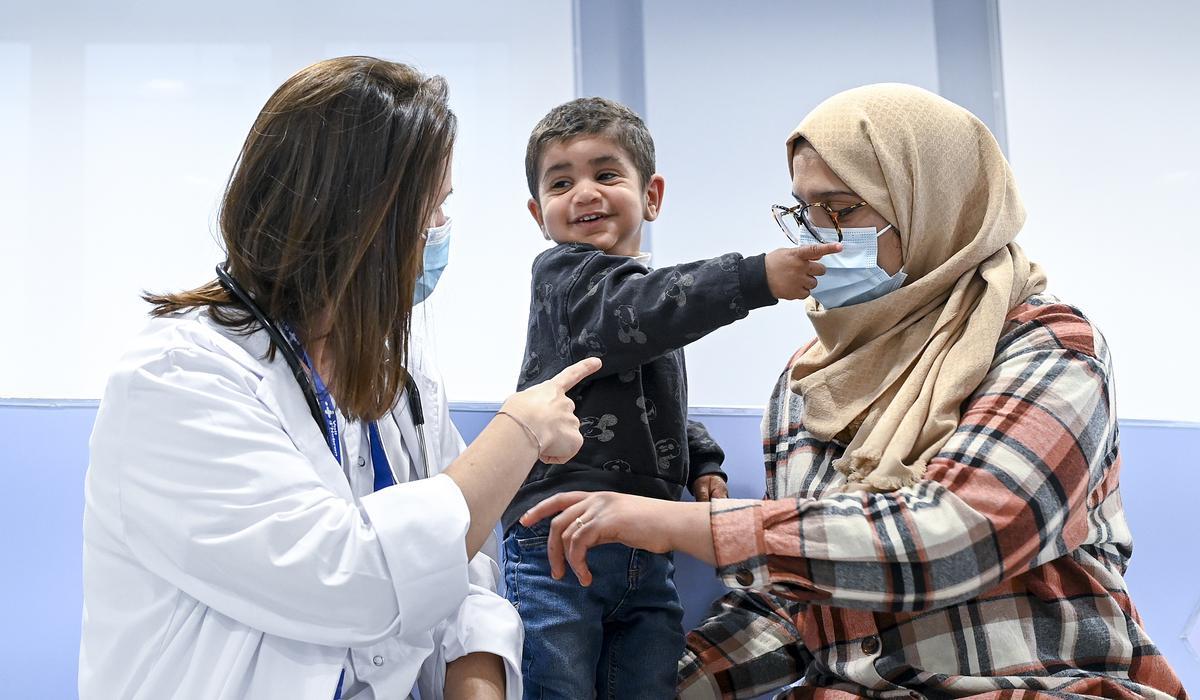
x,y
854,276
437,256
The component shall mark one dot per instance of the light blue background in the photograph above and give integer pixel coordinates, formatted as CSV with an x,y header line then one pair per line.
x,y
44,456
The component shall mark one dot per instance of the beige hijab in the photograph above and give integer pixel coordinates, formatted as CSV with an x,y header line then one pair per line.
x,y
889,375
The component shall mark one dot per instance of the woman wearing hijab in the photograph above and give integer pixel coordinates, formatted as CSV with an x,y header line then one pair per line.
x,y
944,513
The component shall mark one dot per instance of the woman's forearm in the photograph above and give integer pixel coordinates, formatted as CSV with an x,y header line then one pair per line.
x,y
581,520
489,472
690,530
478,676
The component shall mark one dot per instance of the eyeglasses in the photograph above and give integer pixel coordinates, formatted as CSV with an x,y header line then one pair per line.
x,y
807,221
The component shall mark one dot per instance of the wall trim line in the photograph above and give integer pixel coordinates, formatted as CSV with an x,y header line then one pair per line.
x,y
493,406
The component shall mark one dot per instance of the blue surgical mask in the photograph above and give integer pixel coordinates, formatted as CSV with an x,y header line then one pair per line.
x,y
437,256
854,276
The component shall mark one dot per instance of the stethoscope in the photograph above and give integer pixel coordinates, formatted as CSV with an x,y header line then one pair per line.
x,y
306,386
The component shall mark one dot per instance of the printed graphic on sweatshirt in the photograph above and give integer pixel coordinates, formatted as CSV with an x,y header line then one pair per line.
x,y
597,427
668,451
677,285
629,329
593,343
597,281
649,412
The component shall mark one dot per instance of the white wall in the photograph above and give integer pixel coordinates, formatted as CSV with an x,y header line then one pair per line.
x,y
1102,102
119,124
725,85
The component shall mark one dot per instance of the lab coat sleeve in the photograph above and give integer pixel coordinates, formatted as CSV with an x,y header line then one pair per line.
x,y
485,622
448,445
216,498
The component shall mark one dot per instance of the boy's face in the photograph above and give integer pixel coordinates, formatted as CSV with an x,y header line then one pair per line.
x,y
590,192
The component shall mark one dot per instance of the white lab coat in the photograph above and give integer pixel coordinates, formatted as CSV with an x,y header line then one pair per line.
x,y
226,557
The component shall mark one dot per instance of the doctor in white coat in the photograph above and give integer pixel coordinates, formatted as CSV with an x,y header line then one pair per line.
x,y
277,504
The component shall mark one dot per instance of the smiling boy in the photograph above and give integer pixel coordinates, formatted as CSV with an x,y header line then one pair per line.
x,y
590,167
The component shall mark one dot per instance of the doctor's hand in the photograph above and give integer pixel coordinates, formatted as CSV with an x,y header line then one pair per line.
x,y
586,520
545,410
491,469
792,272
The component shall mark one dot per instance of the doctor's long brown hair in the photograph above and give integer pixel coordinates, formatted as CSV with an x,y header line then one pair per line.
x,y
323,214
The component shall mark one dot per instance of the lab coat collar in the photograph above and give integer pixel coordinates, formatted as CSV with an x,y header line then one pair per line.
x,y
280,393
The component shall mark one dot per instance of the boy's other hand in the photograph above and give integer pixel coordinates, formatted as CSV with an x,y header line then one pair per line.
x,y
708,487
792,272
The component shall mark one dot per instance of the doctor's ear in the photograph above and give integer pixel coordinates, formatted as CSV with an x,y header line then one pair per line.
x,y
536,212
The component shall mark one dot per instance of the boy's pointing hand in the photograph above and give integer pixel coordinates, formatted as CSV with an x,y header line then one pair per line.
x,y
792,272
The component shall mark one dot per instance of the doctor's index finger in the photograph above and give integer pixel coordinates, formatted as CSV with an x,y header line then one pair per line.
x,y
576,373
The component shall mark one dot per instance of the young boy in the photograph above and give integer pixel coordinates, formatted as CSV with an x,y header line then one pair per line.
x,y
590,166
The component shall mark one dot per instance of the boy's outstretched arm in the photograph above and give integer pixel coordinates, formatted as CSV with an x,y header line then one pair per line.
x,y
598,305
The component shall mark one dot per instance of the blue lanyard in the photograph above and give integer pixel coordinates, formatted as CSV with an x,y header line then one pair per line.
x,y
324,399
379,460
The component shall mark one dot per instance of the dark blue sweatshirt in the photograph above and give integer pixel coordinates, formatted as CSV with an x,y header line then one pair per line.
x,y
633,412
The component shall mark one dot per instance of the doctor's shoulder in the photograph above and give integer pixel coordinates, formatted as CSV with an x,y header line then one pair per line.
x,y
178,382
176,348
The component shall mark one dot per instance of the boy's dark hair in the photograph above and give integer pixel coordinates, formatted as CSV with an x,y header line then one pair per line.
x,y
589,116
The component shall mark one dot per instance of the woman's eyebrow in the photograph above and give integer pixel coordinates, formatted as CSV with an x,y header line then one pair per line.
x,y
828,194
822,196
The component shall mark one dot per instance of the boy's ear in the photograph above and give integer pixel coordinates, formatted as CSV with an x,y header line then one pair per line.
x,y
536,212
654,196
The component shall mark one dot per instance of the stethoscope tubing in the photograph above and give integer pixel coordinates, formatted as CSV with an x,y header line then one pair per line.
x,y
306,387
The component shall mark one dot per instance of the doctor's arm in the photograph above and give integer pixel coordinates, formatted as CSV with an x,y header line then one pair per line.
x,y
476,676
479,645
216,498
541,420
479,648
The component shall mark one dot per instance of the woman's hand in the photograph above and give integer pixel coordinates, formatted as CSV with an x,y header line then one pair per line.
x,y
588,519
545,409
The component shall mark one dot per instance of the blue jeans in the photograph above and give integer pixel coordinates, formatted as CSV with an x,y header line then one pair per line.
x,y
620,638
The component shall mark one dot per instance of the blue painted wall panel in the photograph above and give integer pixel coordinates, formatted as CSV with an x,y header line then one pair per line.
x,y
44,455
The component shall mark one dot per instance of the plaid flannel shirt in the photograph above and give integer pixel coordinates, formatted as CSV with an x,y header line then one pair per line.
x,y
1000,574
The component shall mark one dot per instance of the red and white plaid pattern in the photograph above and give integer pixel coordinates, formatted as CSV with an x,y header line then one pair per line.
x,y
1000,575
